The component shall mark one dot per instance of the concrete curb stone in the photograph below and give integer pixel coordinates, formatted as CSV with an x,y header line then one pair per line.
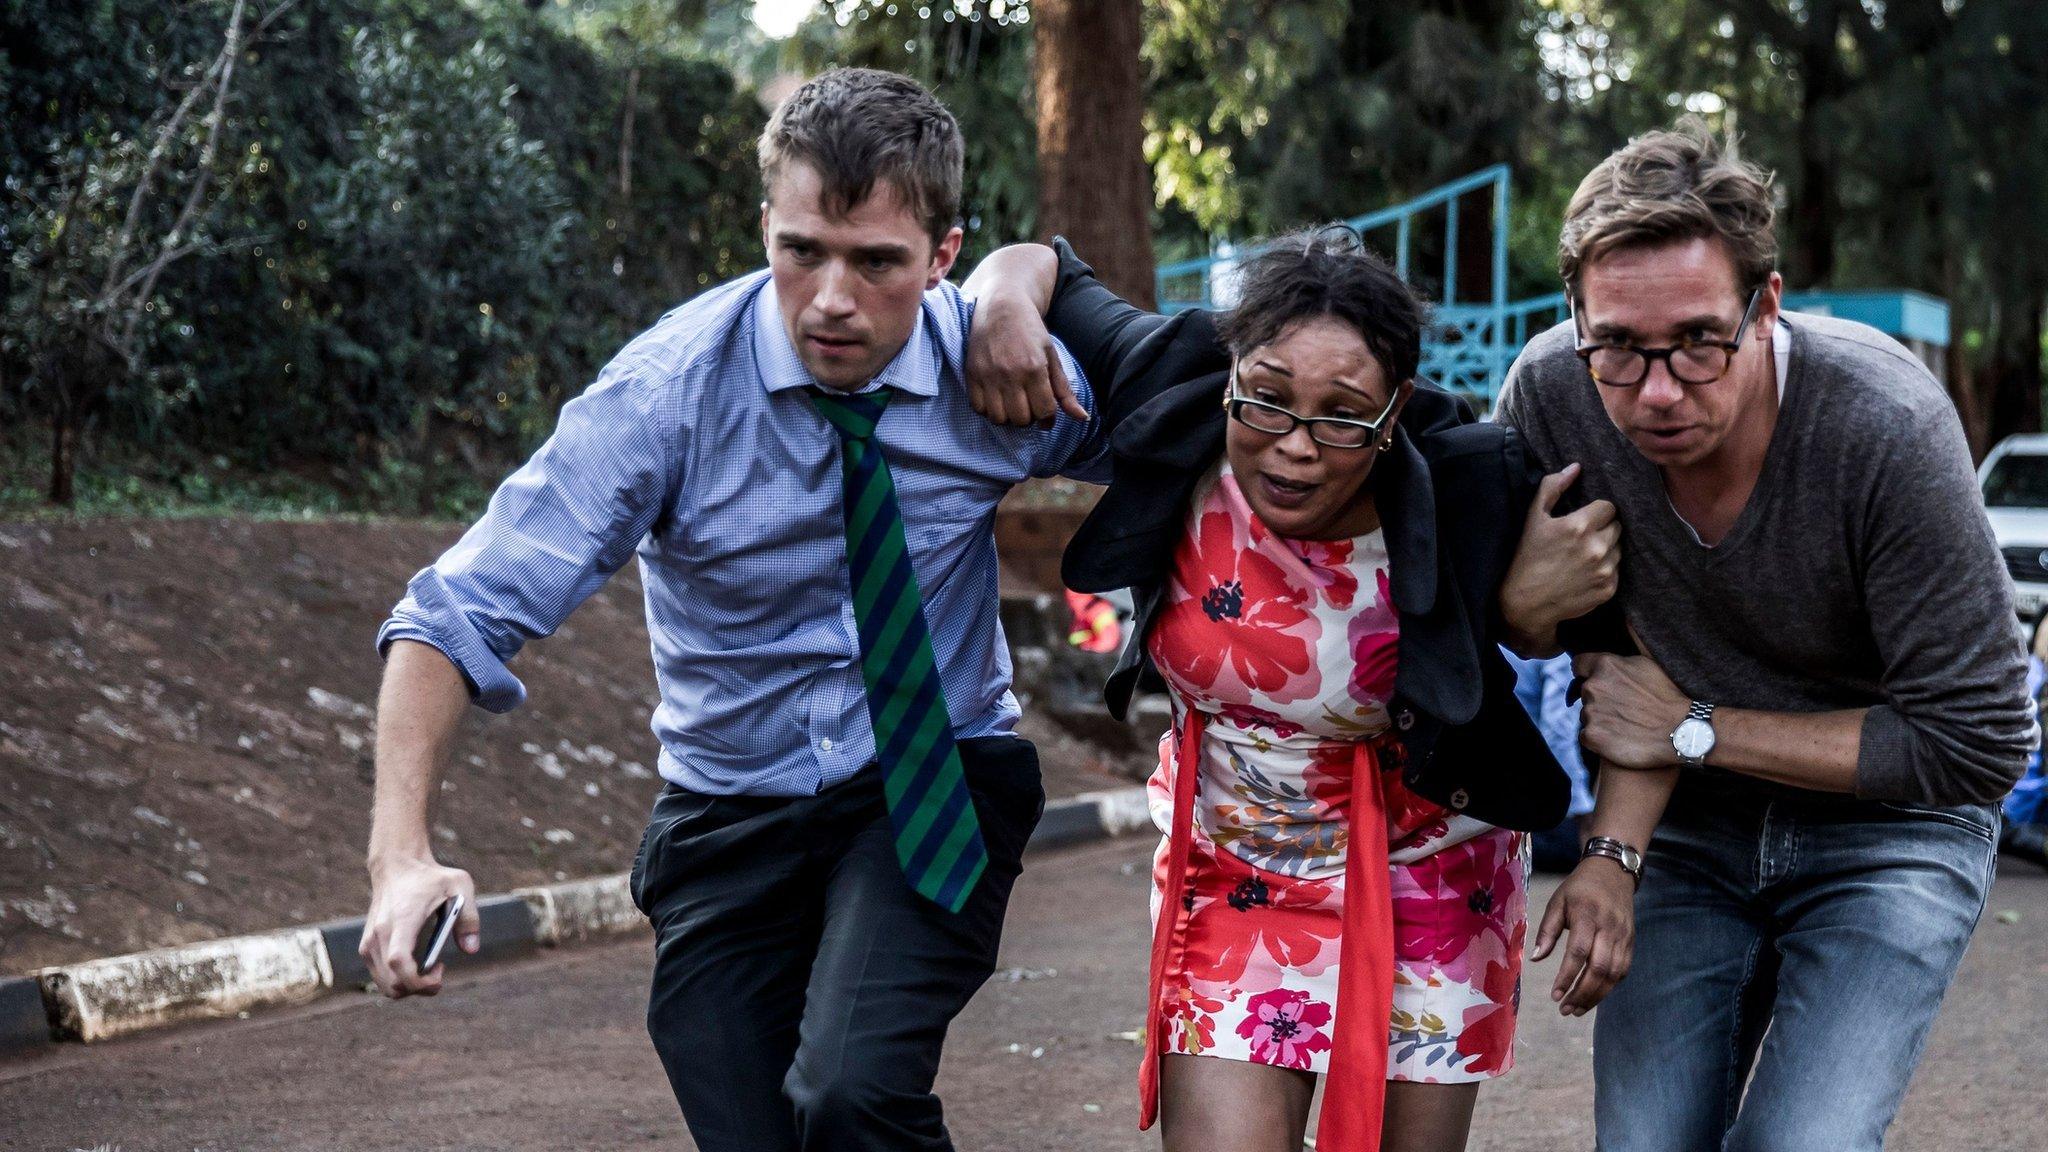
x,y
101,999
581,909
1066,823
1121,811
118,995
341,938
24,1025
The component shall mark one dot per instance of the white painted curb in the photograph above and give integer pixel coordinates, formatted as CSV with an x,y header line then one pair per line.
x,y
581,909
122,994
1121,810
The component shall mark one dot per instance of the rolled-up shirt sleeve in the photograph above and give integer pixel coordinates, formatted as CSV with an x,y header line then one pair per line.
x,y
554,532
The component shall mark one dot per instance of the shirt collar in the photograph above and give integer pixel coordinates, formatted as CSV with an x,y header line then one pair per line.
x,y
914,369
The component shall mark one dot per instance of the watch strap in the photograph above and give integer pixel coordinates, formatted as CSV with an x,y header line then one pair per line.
x,y
1629,858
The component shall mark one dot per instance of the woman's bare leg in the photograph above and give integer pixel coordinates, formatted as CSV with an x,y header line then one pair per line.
x,y
1428,1117
1207,1104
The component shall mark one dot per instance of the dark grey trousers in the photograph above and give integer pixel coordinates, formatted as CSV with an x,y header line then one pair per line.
x,y
802,990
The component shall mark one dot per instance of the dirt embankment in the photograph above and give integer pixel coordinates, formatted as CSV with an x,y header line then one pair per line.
x,y
186,733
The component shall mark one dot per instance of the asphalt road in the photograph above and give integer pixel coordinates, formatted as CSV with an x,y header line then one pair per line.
x,y
550,1052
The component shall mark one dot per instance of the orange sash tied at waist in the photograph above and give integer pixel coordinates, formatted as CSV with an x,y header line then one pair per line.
x,y
1354,1099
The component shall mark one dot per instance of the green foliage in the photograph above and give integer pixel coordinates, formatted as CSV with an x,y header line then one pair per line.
x,y
421,226
1910,141
442,235
413,228
123,479
108,183
1273,115
1268,116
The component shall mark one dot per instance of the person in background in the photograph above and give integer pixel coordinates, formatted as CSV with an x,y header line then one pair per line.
x,y
1097,627
1544,689
2024,833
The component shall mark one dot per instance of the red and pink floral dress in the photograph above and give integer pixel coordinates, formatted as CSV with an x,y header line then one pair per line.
x,y
1280,656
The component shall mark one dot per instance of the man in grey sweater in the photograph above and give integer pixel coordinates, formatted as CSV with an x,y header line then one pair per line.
x,y
1830,692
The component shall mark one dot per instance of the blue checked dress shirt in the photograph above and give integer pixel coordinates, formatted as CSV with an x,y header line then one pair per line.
x,y
698,449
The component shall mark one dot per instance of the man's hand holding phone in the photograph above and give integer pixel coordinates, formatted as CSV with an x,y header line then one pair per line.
x,y
403,902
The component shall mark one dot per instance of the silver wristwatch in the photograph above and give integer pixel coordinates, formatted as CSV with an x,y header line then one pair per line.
x,y
1627,856
1694,736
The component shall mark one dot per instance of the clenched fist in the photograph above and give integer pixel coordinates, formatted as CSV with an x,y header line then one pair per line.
x,y
1014,376
1565,566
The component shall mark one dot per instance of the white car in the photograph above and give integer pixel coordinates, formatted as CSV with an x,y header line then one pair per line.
x,y
2015,483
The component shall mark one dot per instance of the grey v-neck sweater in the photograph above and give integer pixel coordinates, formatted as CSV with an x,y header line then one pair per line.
x,y
1861,574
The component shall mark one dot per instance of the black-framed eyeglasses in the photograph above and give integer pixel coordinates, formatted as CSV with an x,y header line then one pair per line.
x,y
1689,361
1329,431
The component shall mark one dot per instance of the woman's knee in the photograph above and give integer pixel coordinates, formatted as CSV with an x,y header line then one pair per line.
x,y
1428,1117
1208,1104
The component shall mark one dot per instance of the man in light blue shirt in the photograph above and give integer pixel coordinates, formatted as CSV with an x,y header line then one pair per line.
x,y
811,495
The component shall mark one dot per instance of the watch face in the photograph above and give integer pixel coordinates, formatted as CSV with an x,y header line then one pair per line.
x,y
1694,739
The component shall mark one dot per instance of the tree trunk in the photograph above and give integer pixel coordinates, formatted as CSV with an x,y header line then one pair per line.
x,y
62,372
1815,200
1961,379
1813,209
429,459
61,466
2010,377
1475,247
1093,185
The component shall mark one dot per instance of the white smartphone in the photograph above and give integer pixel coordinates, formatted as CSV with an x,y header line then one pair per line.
x,y
437,936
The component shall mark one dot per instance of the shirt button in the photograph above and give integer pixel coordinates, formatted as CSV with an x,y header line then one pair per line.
x,y
825,745
1404,720
1459,799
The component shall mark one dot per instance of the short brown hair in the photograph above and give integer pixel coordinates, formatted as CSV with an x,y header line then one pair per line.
x,y
855,126
1671,186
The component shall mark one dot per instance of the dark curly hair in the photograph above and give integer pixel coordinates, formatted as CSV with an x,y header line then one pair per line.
x,y
1327,272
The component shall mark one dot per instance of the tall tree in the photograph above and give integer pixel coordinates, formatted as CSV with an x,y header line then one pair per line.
x,y
113,212
1093,184
1997,95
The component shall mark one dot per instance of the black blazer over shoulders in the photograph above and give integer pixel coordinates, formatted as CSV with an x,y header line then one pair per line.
x,y
1452,494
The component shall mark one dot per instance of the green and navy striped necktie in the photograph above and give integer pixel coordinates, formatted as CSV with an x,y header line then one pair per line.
x,y
938,840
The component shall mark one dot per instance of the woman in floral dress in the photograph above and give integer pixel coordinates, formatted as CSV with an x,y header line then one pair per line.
x,y
1280,653
1315,544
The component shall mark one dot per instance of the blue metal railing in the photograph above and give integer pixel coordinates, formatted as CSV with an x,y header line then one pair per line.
x,y
1469,346
1464,349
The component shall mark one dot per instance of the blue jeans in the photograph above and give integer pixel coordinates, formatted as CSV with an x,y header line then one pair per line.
x,y
1801,945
